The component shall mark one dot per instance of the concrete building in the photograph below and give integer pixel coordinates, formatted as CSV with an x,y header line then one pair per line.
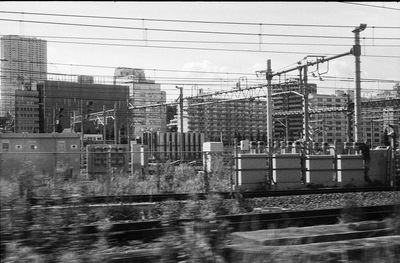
x,y
73,98
26,111
223,121
143,92
24,61
331,126
289,128
338,127
39,154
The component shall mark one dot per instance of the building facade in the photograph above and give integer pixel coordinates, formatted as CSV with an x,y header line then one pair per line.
x,y
24,61
60,101
39,154
143,93
223,121
26,111
246,118
331,117
376,115
288,97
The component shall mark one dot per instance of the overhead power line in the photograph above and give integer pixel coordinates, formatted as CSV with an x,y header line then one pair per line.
x,y
210,49
376,6
148,69
168,70
188,31
200,41
188,21
216,81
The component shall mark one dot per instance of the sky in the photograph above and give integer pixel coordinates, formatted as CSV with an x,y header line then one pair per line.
x,y
131,42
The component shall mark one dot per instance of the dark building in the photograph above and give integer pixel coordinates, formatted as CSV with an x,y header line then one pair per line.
x,y
26,111
60,101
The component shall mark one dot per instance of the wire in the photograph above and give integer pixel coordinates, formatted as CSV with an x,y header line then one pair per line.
x,y
197,41
187,21
383,7
202,79
185,31
212,49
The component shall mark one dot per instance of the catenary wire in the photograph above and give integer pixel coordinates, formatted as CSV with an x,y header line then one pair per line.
x,y
197,41
187,21
212,49
7,70
187,31
382,7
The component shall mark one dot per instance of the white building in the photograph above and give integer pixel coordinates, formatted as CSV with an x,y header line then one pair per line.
x,y
142,93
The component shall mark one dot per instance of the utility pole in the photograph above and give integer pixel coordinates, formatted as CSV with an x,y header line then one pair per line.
x,y
350,112
269,106
306,114
54,119
357,94
82,121
181,117
115,123
128,128
104,124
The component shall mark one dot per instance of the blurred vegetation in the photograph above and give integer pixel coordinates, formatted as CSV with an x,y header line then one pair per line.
x,y
53,234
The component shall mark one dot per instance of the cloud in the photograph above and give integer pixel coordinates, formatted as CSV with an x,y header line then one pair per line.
x,y
204,65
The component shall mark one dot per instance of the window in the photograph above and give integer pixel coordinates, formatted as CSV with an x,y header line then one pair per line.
x,y
5,146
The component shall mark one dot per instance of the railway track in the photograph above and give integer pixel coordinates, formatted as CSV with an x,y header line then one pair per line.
x,y
121,232
199,196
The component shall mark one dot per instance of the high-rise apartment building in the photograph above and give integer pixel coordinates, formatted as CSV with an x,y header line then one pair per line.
x,y
246,118
23,63
330,120
223,121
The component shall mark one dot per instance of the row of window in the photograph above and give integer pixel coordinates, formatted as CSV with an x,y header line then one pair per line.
x,y
6,146
25,109
330,99
27,115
